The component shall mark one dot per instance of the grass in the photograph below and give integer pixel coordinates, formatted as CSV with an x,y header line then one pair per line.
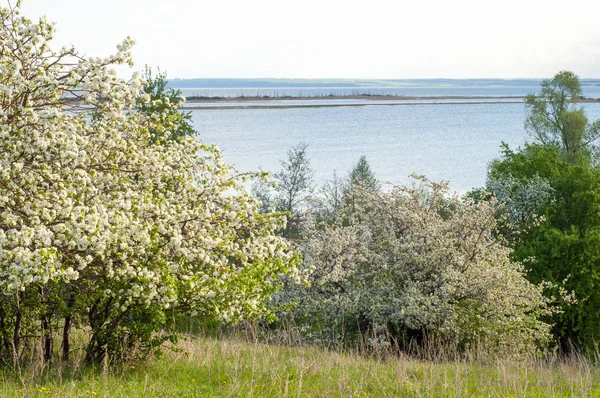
x,y
227,367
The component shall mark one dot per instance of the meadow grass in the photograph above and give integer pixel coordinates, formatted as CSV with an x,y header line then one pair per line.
x,y
234,367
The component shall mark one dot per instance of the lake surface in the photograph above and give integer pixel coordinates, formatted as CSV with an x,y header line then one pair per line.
x,y
453,142
591,91
306,102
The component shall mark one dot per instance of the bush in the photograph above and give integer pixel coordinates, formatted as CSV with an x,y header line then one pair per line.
x,y
414,265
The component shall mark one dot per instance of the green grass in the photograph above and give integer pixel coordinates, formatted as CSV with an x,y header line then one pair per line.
x,y
238,368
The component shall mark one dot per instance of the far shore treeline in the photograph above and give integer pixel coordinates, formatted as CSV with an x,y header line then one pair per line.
x,y
118,227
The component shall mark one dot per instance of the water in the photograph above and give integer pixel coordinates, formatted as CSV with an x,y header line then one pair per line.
x,y
453,142
338,101
485,91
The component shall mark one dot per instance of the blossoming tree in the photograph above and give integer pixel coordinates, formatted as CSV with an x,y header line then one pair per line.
x,y
415,264
101,227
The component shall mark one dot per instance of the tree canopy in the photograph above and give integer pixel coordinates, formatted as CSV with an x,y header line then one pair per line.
x,y
555,118
549,190
563,245
104,226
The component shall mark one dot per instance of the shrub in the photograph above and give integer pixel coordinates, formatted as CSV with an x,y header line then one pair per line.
x,y
415,264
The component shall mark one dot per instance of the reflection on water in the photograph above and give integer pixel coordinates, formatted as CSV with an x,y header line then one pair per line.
x,y
453,142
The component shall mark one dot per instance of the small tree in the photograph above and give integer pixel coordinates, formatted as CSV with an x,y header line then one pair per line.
x,y
262,190
361,174
360,178
294,186
175,124
333,197
522,198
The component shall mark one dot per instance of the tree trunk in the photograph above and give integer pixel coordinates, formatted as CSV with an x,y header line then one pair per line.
x,y
47,339
17,337
5,346
66,337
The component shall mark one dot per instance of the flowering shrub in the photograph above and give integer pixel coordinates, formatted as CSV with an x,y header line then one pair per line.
x,y
103,228
414,263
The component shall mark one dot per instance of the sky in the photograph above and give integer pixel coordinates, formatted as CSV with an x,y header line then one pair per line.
x,y
368,39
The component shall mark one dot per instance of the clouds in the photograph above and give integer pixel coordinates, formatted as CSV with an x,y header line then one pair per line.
x,y
331,38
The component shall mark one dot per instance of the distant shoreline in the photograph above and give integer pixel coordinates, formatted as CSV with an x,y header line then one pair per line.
x,y
465,100
202,99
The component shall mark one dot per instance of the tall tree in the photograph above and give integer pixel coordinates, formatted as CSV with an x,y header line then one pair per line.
x,y
556,119
550,191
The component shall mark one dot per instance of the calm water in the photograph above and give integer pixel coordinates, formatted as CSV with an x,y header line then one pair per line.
x,y
449,142
338,101
492,91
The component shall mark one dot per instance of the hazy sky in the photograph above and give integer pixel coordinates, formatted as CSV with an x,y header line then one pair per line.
x,y
337,38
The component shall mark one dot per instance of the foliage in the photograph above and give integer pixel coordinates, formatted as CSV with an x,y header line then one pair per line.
x,y
555,119
521,198
294,186
103,227
164,102
339,191
361,174
327,204
414,264
262,190
565,246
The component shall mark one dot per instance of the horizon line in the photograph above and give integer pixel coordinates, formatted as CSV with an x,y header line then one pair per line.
x,y
374,78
